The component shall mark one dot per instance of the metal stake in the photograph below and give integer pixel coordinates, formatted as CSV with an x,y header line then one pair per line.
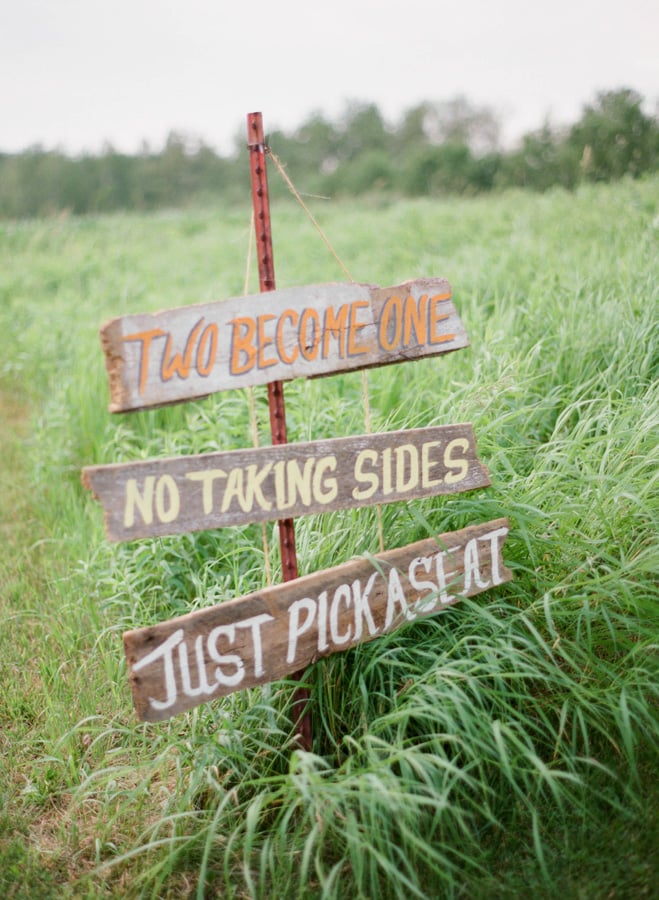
x,y
261,203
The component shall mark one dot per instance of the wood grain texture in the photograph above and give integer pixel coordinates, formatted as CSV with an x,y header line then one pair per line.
x,y
193,351
267,635
193,493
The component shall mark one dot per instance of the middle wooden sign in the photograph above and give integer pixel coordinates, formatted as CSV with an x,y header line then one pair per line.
x,y
193,493
193,351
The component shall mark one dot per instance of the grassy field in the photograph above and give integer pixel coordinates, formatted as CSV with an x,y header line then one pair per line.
x,y
506,747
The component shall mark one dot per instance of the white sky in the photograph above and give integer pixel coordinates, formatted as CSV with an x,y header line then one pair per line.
x,y
76,73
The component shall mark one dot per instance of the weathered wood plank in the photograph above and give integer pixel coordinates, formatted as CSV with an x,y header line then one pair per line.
x,y
267,635
214,490
190,352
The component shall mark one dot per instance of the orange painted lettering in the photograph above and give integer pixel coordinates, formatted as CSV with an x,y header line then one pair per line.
x,y
355,349
336,325
263,342
242,343
309,342
391,320
434,317
145,337
208,334
414,317
292,317
179,363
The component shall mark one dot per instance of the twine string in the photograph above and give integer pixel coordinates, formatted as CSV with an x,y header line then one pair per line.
x,y
289,184
365,391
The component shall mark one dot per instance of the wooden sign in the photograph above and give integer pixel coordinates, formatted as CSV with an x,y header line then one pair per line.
x,y
194,493
193,351
269,634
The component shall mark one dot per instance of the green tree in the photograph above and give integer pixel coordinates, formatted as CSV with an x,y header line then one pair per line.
x,y
440,169
615,138
458,121
544,160
372,171
362,130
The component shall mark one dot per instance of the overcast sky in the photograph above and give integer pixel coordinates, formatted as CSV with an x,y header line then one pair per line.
x,y
77,73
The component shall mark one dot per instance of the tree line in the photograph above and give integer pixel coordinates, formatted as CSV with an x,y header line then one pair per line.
x,y
451,147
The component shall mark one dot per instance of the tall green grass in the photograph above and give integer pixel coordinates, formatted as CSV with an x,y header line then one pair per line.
x,y
507,743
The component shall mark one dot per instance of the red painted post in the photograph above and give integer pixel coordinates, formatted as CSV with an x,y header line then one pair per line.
x,y
261,203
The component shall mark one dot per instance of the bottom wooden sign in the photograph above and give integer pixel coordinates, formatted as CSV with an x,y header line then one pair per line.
x,y
272,633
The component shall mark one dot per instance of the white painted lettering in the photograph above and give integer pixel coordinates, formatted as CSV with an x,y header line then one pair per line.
x,y
207,477
341,594
493,538
472,568
235,489
369,478
387,473
143,501
404,484
295,629
254,485
255,623
204,687
459,467
427,463
166,652
362,608
322,622
396,595
167,511
443,577
230,659
428,601
299,481
325,491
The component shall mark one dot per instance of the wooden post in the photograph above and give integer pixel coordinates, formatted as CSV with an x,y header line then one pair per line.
x,y
276,405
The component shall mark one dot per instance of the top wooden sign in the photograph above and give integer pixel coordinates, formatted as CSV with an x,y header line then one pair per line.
x,y
193,351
